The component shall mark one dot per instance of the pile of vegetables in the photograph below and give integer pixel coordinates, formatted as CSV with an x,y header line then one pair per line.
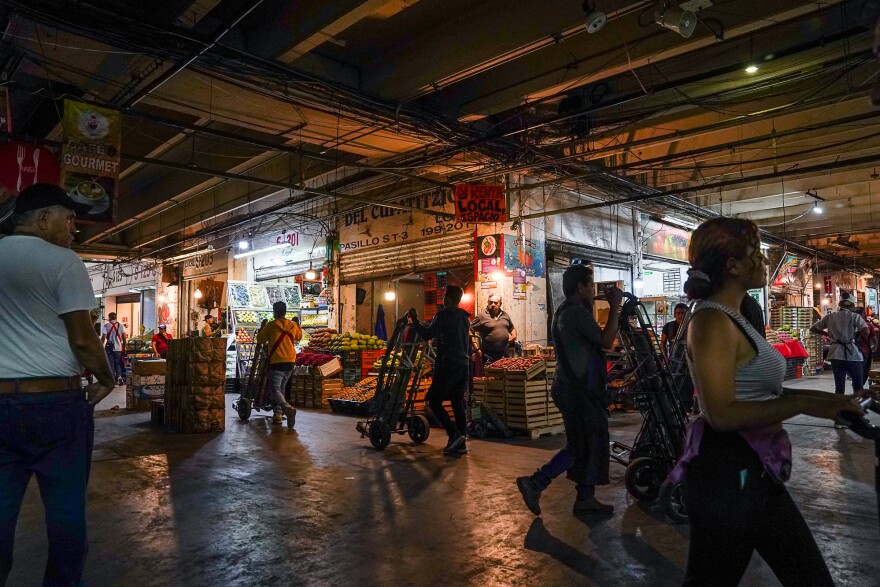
x,y
359,392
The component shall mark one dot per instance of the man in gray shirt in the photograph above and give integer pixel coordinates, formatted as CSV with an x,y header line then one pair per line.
x,y
46,426
843,328
495,329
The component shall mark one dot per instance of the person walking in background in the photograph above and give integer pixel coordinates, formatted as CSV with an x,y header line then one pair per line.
x,y
160,342
281,335
495,328
867,343
579,391
451,329
46,417
844,327
670,329
737,455
114,337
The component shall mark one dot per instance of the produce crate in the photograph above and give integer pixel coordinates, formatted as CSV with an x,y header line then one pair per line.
x,y
479,388
352,376
351,358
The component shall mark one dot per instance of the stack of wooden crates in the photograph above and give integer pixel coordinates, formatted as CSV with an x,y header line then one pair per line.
x,y
308,389
522,398
800,319
194,385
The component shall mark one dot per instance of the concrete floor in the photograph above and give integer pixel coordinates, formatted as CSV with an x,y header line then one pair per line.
x,y
263,505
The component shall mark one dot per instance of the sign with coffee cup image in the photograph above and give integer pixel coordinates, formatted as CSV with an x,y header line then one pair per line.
x,y
90,158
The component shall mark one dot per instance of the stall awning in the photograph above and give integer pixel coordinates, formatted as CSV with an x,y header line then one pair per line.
x,y
289,270
443,252
563,252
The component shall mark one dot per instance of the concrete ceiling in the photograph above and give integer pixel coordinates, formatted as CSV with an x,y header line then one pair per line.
x,y
294,102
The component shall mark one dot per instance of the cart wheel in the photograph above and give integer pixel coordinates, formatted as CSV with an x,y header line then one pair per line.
x,y
419,430
477,429
244,408
380,434
673,502
646,450
642,479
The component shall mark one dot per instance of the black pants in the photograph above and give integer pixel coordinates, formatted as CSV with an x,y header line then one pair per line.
x,y
449,384
867,370
734,510
494,354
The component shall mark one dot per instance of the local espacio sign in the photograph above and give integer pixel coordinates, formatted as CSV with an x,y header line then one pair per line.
x,y
480,203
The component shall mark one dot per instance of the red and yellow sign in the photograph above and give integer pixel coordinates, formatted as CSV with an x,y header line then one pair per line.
x,y
480,203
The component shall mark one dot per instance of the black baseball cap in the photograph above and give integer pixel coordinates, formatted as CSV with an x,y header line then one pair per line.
x,y
45,195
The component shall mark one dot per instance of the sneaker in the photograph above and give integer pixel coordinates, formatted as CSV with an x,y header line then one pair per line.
x,y
591,505
290,412
531,493
119,381
454,444
462,450
840,424
277,418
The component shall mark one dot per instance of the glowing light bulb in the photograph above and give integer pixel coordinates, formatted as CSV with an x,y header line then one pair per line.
x,y
198,294
752,69
390,295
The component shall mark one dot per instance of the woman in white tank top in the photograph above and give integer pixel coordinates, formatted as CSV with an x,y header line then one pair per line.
x,y
738,455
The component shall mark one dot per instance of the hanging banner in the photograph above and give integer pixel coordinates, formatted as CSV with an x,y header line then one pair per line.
x,y
23,165
90,157
489,256
786,271
480,203
525,255
662,240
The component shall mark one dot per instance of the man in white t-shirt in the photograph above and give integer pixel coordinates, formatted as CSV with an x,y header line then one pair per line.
x,y
114,337
843,328
46,427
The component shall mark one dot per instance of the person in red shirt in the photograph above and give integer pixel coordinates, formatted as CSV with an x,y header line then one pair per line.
x,y
160,341
867,342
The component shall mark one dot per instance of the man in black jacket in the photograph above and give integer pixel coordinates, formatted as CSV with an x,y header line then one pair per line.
x,y
450,327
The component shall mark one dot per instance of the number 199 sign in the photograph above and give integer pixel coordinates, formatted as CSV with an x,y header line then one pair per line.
x,y
480,203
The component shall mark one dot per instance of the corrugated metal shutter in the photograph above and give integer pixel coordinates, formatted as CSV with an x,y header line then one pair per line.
x,y
443,252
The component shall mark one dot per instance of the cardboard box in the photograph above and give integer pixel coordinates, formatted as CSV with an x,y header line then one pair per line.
x,y
148,367
330,368
149,392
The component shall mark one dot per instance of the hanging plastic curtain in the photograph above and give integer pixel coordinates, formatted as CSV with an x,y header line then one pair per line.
x,y
380,330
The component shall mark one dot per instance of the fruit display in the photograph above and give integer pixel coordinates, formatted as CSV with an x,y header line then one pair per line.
x,y
516,364
258,296
312,320
238,296
243,335
394,359
360,392
321,338
275,293
247,316
292,296
355,342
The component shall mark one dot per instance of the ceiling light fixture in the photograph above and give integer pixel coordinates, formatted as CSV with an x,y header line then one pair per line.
x,y
595,18
390,294
675,19
310,274
639,283
817,205
255,251
243,245
197,294
752,69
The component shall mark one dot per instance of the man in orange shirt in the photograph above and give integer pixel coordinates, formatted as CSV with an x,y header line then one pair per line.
x,y
281,335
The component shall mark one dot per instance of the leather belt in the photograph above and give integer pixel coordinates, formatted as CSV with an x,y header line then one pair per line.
x,y
41,384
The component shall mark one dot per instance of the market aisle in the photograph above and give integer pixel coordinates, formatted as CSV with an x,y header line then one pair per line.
x,y
259,505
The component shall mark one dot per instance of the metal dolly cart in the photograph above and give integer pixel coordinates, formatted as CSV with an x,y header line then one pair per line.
x,y
394,409
255,390
656,394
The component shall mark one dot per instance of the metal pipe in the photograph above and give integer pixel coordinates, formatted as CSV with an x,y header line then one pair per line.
x,y
181,65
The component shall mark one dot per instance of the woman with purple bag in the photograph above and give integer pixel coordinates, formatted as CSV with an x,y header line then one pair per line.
x,y
737,455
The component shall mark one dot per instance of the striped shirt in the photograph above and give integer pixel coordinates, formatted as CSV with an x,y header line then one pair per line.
x,y
760,378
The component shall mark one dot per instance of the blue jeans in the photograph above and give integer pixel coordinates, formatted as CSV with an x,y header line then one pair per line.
x,y
50,435
855,370
117,364
278,381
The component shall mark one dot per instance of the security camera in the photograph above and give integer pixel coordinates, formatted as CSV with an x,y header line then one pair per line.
x,y
681,21
595,18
